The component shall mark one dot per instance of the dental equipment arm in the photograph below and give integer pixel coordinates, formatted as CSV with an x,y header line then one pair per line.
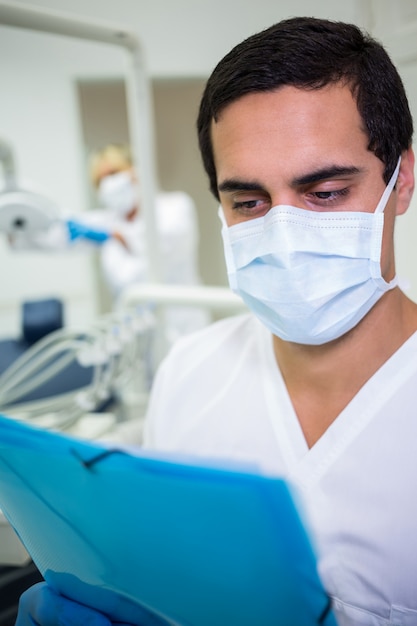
x,y
215,299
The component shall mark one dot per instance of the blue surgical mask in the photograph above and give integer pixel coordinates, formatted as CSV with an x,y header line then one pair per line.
x,y
309,276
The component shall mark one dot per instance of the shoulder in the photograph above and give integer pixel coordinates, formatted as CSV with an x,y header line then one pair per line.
x,y
198,371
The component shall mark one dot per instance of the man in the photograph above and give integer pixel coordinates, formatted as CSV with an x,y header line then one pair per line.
x,y
305,133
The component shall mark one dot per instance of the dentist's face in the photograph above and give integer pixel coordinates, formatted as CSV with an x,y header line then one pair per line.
x,y
305,148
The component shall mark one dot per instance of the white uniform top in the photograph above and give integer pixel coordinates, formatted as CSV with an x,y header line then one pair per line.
x,y
220,394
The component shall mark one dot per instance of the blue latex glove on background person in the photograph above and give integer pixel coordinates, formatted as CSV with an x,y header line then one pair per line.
x,y
78,230
41,606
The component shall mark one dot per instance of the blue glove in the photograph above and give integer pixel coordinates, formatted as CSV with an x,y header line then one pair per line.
x,y
40,606
77,230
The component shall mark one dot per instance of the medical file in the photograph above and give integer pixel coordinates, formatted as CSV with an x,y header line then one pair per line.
x,y
135,534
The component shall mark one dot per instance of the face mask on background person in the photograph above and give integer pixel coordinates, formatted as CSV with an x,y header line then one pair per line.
x,y
309,276
118,192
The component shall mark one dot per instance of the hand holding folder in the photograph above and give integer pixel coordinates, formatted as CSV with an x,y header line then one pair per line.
x,y
132,534
40,605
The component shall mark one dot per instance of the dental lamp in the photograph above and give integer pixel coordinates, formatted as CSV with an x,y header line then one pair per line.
x,y
21,211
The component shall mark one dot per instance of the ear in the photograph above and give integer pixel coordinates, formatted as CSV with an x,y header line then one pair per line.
x,y
405,182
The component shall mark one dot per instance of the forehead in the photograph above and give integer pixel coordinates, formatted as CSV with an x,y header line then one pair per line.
x,y
288,130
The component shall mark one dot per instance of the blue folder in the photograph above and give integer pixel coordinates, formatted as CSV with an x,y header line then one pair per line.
x,y
141,536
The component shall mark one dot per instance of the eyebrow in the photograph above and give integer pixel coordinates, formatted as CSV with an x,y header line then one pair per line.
x,y
234,184
325,173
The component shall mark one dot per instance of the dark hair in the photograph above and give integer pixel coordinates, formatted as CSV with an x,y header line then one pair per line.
x,y
311,53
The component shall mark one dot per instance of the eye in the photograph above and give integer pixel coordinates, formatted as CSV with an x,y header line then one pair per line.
x,y
246,204
330,197
324,195
249,207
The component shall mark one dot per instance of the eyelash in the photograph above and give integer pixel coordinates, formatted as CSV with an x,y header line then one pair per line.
x,y
332,195
245,204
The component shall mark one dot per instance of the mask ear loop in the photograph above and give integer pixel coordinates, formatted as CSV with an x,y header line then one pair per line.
x,y
388,189
377,238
